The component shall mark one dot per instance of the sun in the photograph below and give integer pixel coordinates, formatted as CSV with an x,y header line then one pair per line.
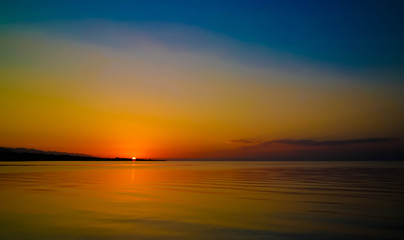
x,y
134,159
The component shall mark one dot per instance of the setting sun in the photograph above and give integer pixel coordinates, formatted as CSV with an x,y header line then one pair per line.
x,y
134,159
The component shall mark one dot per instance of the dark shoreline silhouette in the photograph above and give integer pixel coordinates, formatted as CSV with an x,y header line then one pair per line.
x,y
23,154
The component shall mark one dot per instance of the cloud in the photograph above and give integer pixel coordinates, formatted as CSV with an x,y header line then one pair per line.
x,y
245,141
275,144
309,149
309,142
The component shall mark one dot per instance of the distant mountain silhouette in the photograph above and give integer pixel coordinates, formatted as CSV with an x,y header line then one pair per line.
x,y
36,151
25,154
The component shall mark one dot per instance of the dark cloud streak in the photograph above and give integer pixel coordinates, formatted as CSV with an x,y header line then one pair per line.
x,y
362,149
309,142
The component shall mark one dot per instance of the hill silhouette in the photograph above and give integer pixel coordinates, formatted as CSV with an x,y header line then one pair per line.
x,y
25,154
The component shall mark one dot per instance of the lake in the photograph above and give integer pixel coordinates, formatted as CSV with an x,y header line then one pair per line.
x,y
201,200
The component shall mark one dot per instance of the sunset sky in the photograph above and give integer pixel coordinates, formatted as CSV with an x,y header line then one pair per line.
x,y
202,80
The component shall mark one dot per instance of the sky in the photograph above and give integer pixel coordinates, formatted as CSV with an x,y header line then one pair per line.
x,y
245,80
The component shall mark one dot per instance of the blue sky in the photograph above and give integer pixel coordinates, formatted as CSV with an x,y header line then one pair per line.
x,y
347,34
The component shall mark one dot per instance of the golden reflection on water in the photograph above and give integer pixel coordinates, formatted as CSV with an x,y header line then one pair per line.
x,y
200,200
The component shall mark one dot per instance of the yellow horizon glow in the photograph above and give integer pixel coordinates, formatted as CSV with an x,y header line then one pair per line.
x,y
148,99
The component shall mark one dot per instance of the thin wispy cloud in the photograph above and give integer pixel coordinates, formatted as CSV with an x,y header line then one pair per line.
x,y
245,141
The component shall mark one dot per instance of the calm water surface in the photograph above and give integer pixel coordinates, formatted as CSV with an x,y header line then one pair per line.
x,y
201,200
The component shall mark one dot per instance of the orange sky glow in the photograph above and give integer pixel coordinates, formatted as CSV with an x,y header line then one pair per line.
x,y
145,98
